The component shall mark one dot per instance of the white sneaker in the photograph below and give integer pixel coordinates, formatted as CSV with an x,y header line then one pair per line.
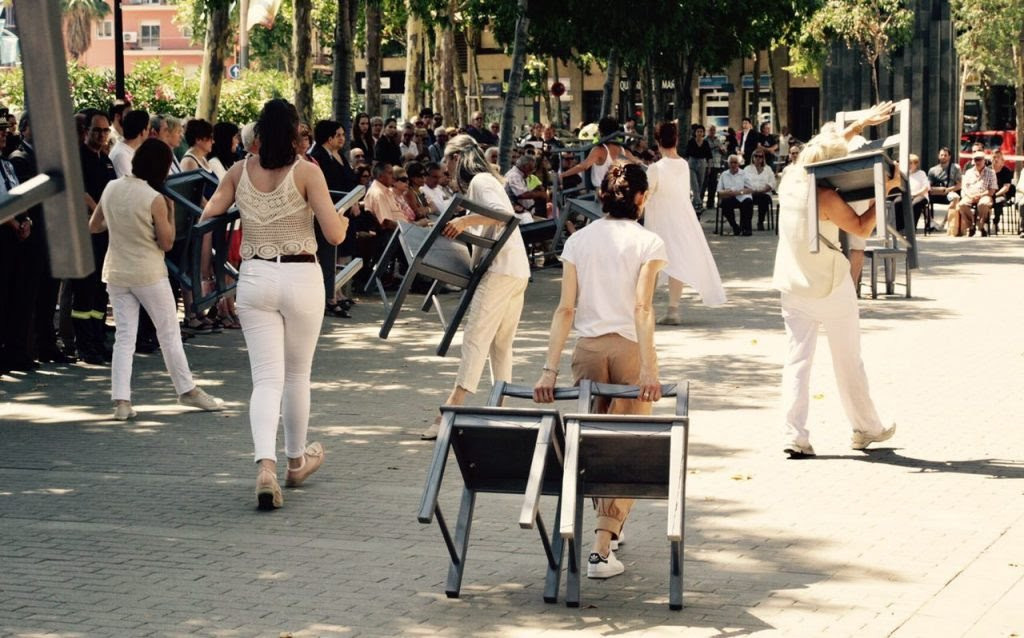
x,y
598,567
199,399
618,541
861,440
124,411
670,319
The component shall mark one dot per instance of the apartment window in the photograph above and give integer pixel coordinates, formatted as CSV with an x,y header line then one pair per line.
x,y
186,32
149,36
105,30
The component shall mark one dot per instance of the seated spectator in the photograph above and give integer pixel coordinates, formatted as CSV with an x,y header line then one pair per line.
x,y
226,139
356,156
414,197
408,146
734,190
495,131
199,137
436,149
945,178
479,132
762,184
979,187
525,199
491,155
380,200
919,187
387,149
436,195
400,189
1005,191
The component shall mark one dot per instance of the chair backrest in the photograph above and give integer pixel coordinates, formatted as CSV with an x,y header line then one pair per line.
x,y
186,190
452,260
900,141
626,455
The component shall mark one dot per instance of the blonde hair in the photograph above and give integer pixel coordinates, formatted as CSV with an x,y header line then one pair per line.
x,y
828,144
471,160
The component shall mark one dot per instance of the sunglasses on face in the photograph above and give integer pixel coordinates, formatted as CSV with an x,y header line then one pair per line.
x,y
99,129
402,179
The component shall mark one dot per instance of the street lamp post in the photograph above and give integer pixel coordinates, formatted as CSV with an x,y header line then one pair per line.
x,y
118,51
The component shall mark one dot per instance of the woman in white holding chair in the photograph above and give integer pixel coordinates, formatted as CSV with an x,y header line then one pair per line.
x,y
817,291
280,289
141,225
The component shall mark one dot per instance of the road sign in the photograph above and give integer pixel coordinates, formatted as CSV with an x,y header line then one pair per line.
x,y
234,71
558,89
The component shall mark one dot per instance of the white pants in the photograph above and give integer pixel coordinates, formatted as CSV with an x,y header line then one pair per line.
x,y
490,329
281,308
158,300
840,316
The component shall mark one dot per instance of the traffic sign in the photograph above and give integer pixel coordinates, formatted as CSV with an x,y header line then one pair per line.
x,y
235,71
558,89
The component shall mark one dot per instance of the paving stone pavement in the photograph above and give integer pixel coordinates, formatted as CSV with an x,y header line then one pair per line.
x,y
148,528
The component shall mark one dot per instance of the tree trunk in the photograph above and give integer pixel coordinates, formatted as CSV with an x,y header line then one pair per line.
x,y
473,42
459,81
302,59
611,74
344,68
373,59
413,64
549,106
215,51
628,102
776,114
657,104
1018,59
445,52
648,96
433,82
684,99
755,105
515,84
559,120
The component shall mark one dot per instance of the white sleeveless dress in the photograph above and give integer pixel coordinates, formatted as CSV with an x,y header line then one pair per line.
x,y
669,213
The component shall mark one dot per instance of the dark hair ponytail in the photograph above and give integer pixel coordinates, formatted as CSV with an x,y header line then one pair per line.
x,y
619,188
278,130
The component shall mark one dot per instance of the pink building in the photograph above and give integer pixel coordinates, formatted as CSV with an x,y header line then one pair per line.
x,y
150,33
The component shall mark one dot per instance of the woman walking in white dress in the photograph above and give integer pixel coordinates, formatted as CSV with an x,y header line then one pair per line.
x,y
669,213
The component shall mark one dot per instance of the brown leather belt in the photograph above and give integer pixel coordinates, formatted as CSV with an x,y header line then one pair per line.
x,y
289,259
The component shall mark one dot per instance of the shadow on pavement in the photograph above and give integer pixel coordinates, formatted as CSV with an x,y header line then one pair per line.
x,y
994,468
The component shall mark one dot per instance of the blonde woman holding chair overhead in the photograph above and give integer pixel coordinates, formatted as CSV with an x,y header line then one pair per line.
x,y
280,289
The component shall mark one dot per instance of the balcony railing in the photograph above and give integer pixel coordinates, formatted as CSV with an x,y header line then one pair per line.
x,y
162,43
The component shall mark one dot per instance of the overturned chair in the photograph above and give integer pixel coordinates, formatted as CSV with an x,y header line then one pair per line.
x,y
625,456
449,262
503,450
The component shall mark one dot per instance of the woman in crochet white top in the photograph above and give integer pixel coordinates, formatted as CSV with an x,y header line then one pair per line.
x,y
280,296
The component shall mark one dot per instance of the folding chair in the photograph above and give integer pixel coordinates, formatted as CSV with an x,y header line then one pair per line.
x,y
184,260
445,261
625,456
504,451
343,202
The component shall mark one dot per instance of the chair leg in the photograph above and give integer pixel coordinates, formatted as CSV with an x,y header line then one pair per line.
x,y
889,266
675,576
572,580
396,303
874,277
906,268
462,527
554,573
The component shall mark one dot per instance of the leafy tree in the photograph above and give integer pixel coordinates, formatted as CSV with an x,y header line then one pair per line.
x,y
982,43
874,27
79,16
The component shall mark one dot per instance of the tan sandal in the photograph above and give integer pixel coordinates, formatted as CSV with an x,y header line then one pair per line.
x,y
268,492
312,458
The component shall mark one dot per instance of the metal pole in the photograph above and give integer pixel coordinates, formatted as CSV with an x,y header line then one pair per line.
x,y
243,34
118,51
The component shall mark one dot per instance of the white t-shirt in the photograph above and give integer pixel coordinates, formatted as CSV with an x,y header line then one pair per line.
x,y
918,181
437,197
121,157
608,255
729,181
486,190
758,181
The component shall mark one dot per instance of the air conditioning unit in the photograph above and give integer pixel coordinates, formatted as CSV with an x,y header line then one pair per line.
x,y
130,36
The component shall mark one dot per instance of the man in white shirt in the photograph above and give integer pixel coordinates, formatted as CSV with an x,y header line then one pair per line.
x,y
437,196
762,184
515,184
408,146
135,125
734,190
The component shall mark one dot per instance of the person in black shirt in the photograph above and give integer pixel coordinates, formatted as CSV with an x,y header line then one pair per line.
x,y
89,295
387,150
1005,189
698,155
329,136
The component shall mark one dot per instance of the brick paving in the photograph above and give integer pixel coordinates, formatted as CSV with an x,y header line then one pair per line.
x,y
149,528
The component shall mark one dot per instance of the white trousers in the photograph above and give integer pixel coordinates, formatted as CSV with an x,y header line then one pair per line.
x,y
491,324
281,308
840,316
158,300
